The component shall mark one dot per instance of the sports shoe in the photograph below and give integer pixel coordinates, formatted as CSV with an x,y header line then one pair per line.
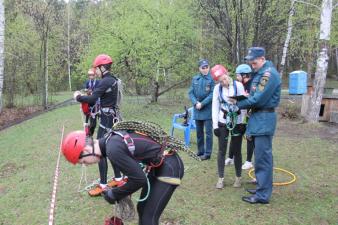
x,y
205,157
220,183
238,182
247,165
96,191
229,161
117,183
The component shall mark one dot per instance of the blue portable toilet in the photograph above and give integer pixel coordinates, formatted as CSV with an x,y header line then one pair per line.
x,y
297,82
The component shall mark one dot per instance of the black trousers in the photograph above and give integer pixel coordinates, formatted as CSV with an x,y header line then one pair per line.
x,y
249,150
235,147
150,210
107,120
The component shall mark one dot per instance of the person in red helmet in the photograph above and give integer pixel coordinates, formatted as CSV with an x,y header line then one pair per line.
x,y
108,92
227,120
165,171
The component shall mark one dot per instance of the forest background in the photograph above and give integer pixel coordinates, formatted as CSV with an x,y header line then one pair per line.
x,y
155,44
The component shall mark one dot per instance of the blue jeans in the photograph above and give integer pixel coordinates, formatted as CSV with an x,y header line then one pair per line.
x,y
204,149
263,166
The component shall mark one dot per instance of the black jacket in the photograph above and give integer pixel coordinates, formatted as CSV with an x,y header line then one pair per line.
x,y
107,91
117,152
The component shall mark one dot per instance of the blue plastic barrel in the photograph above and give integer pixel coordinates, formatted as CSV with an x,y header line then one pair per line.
x,y
297,82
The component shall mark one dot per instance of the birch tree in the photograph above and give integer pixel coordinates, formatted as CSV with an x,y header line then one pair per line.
x,y
2,39
322,62
288,37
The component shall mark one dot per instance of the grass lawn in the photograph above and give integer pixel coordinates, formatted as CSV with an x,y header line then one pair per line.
x,y
29,152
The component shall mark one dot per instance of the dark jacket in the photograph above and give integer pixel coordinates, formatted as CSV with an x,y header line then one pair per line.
x,y
107,91
146,151
264,96
91,84
201,90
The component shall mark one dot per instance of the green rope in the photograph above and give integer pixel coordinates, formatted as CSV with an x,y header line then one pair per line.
x,y
148,185
232,123
233,120
155,132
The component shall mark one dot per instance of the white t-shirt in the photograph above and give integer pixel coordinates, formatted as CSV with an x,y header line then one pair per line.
x,y
217,114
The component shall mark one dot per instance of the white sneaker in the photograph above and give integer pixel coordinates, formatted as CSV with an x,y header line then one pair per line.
x,y
220,183
247,165
229,161
238,182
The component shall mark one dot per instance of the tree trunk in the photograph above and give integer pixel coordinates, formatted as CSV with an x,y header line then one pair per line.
x,y
45,70
337,63
11,88
2,41
322,62
237,46
156,89
155,92
288,37
68,46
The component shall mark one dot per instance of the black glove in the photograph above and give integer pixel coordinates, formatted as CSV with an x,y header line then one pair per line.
x,y
109,196
216,132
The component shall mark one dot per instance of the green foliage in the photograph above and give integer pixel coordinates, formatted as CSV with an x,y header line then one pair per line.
x,y
148,40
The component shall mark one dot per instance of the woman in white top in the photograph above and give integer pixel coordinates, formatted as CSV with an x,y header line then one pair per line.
x,y
227,119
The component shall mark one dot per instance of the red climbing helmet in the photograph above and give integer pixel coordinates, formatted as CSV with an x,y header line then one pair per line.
x,y
73,144
102,60
217,71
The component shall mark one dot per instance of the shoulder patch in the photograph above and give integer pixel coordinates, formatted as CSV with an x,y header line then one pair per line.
x,y
267,74
263,81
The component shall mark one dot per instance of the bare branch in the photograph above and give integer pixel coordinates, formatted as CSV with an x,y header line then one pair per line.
x,y
174,85
308,4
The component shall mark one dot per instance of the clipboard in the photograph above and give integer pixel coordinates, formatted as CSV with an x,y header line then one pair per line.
x,y
238,97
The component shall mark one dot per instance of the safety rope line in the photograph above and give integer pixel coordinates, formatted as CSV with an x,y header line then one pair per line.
x,y
56,176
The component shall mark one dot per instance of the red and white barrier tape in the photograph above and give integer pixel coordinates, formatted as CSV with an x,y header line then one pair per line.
x,y
56,176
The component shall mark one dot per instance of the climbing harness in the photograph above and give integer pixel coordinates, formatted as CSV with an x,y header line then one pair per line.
x,y
126,138
229,115
292,175
169,145
114,112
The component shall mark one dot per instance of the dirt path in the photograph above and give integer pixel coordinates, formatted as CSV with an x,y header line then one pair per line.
x,y
298,129
13,116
